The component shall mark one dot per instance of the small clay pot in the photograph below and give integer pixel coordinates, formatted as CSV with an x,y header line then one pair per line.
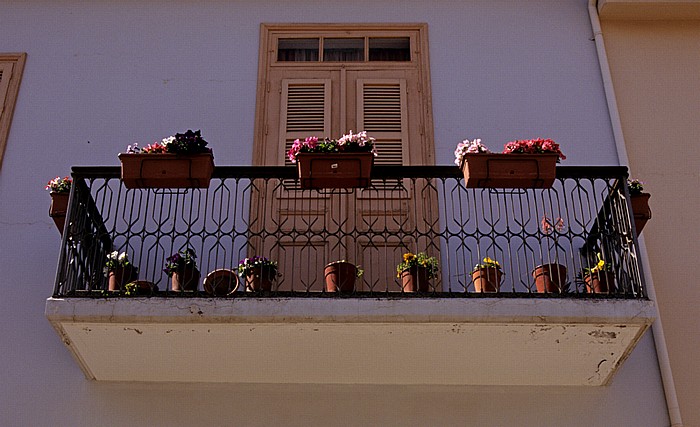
x,y
260,279
120,276
415,279
487,279
601,282
340,276
221,282
549,278
185,279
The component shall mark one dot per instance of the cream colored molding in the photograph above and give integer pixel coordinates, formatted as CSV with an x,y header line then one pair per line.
x,y
7,105
649,10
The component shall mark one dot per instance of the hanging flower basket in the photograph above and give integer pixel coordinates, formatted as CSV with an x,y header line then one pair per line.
x,y
492,170
58,209
166,170
334,170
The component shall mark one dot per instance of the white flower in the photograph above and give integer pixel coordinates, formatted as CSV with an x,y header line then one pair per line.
x,y
166,141
123,257
114,255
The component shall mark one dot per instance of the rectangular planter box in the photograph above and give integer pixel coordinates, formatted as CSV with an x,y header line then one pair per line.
x,y
490,170
641,211
334,170
166,170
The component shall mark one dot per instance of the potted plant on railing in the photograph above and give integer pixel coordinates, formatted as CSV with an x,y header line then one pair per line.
x,y
551,277
182,268
119,271
599,278
416,270
527,163
640,204
329,163
59,189
487,276
258,272
340,276
180,161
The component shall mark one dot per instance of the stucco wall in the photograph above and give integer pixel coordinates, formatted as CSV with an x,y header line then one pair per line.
x,y
655,68
101,75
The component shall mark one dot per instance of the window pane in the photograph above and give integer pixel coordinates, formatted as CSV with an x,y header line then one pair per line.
x,y
346,50
297,50
390,49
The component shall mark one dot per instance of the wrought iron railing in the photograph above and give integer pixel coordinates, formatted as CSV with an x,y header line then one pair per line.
x,y
249,211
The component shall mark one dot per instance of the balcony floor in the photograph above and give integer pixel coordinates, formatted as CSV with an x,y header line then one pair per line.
x,y
448,341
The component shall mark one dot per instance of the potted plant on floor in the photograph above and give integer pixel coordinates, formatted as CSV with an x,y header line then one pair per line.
x,y
59,190
340,276
182,268
258,272
487,276
180,161
330,163
599,278
527,163
119,271
640,204
415,271
551,277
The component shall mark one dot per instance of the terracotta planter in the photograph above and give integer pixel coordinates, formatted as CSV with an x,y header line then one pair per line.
x,y
120,276
166,170
340,277
185,279
640,210
221,282
600,283
415,279
487,279
550,278
260,279
144,287
334,170
489,170
58,209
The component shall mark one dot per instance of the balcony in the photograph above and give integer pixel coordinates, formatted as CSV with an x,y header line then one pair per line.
x,y
298,332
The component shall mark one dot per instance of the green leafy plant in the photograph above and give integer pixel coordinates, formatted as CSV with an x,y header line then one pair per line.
x,y
180,260
421,259
487,263
246,266
635,187
59,185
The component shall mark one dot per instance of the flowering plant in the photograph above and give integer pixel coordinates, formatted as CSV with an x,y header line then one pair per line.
x,y
350,143
246,266
488,263
116,260
534,146
601,265
421,259
179,260
635,187
59,185
468,146
190,142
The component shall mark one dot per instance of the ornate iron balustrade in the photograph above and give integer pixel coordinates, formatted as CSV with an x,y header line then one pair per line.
x,y
260,211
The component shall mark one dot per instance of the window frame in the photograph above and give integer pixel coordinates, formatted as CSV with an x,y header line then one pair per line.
x,y
17,60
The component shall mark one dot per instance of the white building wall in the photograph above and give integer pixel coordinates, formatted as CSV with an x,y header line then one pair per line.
x,y
102,75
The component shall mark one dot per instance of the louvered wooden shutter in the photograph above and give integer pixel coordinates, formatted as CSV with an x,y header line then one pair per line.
x,y
5,74
306,110
381,111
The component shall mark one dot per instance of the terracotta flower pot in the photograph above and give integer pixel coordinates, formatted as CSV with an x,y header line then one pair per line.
x,y
550,278
334,170
340,276
493,170
120,276
487,279
602,282
166,170
58,209
221,282
185,279
640,210
415,279
260,279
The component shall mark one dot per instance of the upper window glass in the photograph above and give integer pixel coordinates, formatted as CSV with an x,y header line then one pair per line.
x,y
345,49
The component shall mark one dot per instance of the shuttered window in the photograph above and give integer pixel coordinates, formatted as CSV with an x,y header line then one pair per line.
x,y
11,67
381,111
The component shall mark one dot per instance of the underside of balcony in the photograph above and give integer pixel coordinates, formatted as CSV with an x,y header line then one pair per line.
x,y
447,341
